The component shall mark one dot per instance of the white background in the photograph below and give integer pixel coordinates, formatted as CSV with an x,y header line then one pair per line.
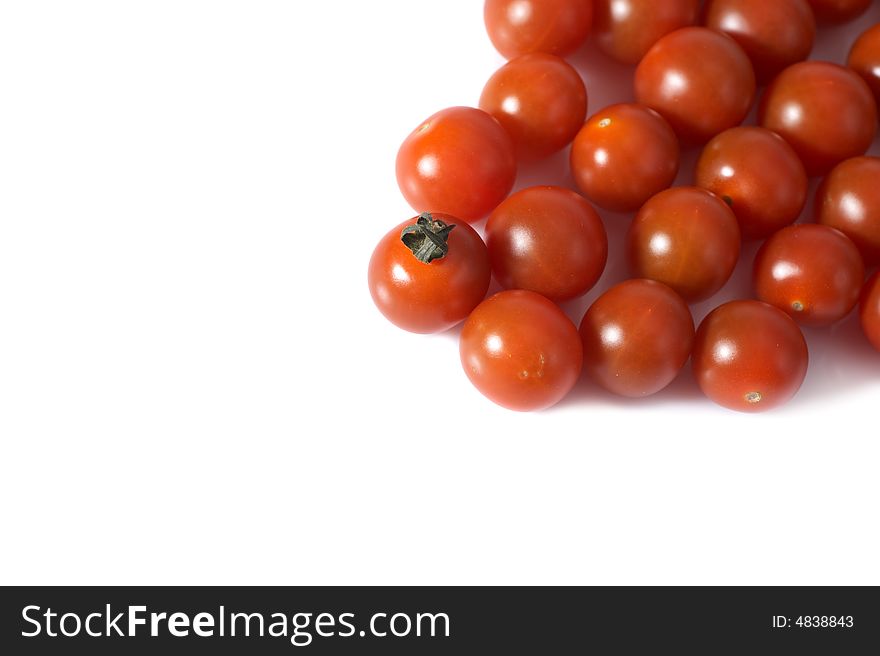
x,y
195,386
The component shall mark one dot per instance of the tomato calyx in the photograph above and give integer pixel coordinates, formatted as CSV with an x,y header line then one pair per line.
x,y
427,237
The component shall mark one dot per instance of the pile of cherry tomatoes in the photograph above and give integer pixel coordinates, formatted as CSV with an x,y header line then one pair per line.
x,y
698,68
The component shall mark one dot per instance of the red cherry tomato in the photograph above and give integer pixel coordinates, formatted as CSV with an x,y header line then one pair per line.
x,y
749,356
838,11
687,238
811,272
626,29
637,337
825,111
518,27
540,100
624,155
869,311
774,33
459,162
864,59
521,351
699,80
549,240
425,295
758,174
849,200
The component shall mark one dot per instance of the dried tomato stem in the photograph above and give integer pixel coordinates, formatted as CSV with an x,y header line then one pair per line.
x,y
427,237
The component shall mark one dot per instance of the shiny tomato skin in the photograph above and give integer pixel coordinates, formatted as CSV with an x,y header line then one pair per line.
x,y
774,33
460,161
626,29
518,27
521,351
749,356
824,111
758,174
637,336
699,80
864,58
433,297
548,240
811,272
540,100
869,310
623,155
849,199
686,238
838,11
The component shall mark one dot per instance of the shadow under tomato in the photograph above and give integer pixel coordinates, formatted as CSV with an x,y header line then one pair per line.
x,y
553,170
586,393
608,82
841,359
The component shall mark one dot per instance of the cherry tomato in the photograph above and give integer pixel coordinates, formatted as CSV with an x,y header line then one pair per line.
x,y
626,29
749,356
812,272
549,240
637,337
864,59
869,311
540,100
699,80
758,174
849,200
426,283
838,11
687,238
460,162
825,111
774,33
624,155
518,27
521,351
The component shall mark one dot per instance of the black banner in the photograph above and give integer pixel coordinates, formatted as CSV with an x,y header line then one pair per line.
x,y
448,620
